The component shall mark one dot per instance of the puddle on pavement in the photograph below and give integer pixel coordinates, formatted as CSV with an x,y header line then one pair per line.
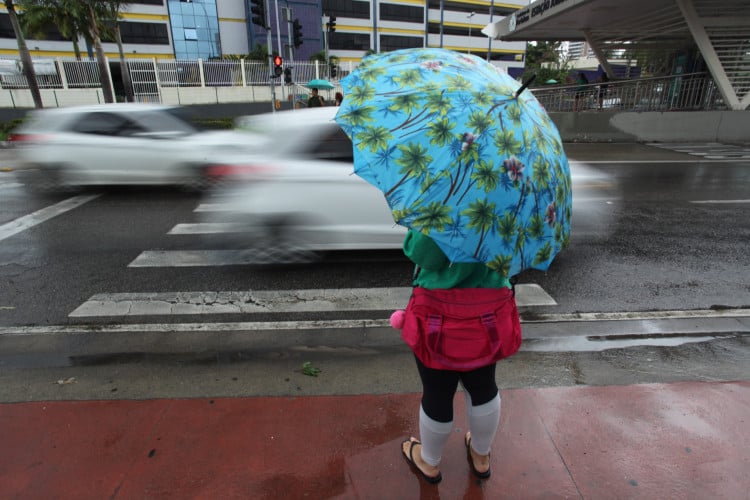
x,y
207,358
595,344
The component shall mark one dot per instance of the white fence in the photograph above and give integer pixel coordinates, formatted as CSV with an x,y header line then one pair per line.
x,y
67,82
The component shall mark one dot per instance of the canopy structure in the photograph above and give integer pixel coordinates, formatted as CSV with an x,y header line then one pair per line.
x,y
719,28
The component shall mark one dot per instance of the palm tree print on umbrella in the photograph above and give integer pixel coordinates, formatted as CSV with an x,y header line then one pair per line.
x,y
460,157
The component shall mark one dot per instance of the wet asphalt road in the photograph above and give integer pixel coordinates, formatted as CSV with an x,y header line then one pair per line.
x,y
640,242
652,231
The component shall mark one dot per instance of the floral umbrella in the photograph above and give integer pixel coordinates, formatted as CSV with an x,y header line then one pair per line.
x,y
461,156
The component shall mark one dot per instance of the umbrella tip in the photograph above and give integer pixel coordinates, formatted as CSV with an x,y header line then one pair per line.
x,y
524,85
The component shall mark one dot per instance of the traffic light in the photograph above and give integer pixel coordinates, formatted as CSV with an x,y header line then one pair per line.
x,y
258,8
288,76
277,66
331,24
297,36
333,70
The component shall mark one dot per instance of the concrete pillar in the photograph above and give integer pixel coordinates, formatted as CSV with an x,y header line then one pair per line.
x,y
600,56
709,55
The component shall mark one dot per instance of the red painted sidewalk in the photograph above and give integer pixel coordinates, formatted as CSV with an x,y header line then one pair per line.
x,y
685,440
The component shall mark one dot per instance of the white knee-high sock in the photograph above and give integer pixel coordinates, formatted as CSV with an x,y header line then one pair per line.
x,y
483,423
433,435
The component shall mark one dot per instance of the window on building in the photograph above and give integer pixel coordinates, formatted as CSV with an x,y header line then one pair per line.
x,y
394,42
349,41
504,56
347,8
434,29
148,2
50,32
191,34
405,13
469,8
150,33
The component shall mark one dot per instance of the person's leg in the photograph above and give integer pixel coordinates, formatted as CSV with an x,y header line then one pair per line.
x,y
483,413
436,411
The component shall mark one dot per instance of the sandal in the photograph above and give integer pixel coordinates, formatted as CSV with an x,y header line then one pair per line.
x,y
480,475
410,458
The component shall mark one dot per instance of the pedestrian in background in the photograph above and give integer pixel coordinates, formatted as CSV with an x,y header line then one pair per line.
x,y
315,100
338,98
580,95
438,385
603,81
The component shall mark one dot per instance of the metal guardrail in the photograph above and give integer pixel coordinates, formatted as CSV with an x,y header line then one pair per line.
x,y
688,92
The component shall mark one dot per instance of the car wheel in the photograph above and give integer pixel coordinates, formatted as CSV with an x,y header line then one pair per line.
x,y
44,180
284,245
198,179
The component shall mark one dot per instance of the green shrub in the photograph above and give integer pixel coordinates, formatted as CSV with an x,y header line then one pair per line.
x,y
7,127
214,123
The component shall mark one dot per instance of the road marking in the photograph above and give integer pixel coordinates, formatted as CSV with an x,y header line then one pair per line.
x,y
194,258
22,223
208,258
719,202
380,323
269,301
212,207
207,228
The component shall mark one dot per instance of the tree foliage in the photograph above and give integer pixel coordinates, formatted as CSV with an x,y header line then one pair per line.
x,y
69,16
545,60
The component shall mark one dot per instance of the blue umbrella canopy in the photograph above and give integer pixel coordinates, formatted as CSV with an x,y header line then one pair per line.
x,y
460,156
320,84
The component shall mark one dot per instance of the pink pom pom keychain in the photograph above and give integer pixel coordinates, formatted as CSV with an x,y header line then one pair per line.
x,y
397,319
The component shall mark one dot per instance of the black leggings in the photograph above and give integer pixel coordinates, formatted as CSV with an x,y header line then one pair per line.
x,y
439,387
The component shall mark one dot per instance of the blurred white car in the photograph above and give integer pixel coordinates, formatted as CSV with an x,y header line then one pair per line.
x,y
303,197
116,144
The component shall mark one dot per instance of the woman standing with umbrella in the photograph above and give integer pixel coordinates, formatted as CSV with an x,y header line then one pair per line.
x,y
475,169
439,385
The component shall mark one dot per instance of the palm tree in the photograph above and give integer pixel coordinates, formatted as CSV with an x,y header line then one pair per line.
x,y
482,218
93,8
414,162
67,15
110,15
23,50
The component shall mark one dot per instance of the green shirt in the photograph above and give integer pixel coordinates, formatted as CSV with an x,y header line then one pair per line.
x,y
437,272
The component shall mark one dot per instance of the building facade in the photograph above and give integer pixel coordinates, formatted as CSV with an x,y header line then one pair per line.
x,y
206,29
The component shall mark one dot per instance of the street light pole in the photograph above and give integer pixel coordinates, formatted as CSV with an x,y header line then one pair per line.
x,y
469,18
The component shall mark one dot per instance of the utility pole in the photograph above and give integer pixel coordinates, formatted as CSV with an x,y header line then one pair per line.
x,y
288,19
278,38
327,20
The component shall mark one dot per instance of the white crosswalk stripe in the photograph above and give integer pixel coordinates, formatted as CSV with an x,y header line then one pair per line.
x,y
250,301
206,228
709,150
269,301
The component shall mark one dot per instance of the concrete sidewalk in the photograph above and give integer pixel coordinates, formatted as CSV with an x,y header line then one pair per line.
x,y
683,440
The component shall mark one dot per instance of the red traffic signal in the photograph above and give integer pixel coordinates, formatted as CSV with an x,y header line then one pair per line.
x,y
277,62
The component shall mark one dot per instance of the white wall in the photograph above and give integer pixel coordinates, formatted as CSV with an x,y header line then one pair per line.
x,y
232,26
